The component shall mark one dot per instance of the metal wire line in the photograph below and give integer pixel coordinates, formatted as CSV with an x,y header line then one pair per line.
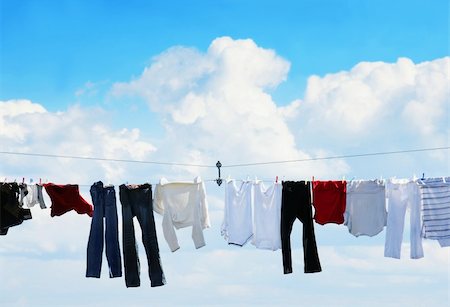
x,y
101,159
229,165
338,157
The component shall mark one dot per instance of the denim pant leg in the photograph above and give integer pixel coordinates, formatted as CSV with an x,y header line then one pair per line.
x,y
112,233
130,256
310,254
95,243
149,238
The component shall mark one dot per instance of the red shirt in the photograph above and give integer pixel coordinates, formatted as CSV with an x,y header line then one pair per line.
x,y
65,198
329,199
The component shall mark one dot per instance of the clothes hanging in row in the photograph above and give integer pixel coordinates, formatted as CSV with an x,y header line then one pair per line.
x,y
266,216
182,204
372,204
30,195
136,201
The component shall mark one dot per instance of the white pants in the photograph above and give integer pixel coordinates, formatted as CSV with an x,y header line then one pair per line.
x,y
400,195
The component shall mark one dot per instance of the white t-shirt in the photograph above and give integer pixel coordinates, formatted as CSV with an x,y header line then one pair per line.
x,y
365,212
267,216
237,226
182,204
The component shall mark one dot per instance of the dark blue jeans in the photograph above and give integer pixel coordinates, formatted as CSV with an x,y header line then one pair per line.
x,y
137,202
104,200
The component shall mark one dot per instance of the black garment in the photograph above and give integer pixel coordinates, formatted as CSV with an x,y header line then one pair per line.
x,y
296,203
105,212
137,201
10,212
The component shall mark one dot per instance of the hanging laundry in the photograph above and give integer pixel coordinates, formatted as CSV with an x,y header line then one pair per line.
x,y
237,225
30,195
267,215
182,204
400,195
296,203
10,212
435,201
65,198
329,201
104,200
35,196
365,212
136,202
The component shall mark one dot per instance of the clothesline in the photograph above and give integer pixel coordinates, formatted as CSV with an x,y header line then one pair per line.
x,y
225,165
262,215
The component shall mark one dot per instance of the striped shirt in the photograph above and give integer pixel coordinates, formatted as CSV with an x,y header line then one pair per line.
x,y
435,203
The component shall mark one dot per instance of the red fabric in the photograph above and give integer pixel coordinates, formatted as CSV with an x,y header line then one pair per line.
x,y
65,198
329,200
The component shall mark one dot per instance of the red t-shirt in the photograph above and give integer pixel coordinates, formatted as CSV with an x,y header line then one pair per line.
x,y
329,201
65,198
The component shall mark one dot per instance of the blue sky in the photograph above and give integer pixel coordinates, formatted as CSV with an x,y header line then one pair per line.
x,y
50,49
236,81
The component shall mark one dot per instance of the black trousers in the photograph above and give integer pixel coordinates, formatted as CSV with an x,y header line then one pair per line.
x,y
137,202
296,203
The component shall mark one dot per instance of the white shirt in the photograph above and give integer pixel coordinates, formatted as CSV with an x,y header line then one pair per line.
x,y
365,212
182,204
237,226
267,216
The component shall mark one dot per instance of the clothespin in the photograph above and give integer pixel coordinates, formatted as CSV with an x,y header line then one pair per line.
x,y
23,179
40,181
423,176
276,179
312,178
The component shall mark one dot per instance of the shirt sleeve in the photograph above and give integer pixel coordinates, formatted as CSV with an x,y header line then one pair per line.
x,y
169,232
158,205
224,228
204,207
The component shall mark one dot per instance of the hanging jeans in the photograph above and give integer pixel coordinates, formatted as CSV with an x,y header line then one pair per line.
x,y
104,200
296,203
137,202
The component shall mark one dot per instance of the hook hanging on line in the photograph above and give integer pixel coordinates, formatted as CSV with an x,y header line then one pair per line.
x,y
219,180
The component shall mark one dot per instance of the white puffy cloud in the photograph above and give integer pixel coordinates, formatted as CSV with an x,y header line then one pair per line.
x,y
29,127
392,98
216,105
